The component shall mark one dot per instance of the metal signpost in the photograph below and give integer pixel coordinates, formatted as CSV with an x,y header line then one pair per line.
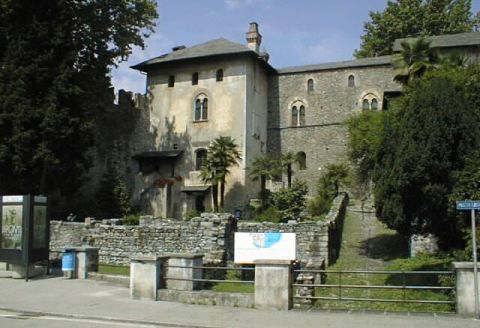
x,y
472,205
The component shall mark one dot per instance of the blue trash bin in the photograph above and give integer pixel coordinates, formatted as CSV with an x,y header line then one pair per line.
x,y
68,262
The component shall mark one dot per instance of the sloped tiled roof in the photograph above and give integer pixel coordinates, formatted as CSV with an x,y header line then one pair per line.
x,y
211,48
372,61
446,40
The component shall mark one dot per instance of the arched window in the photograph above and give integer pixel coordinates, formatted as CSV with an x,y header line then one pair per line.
x,y
200,108
195,78
200,158
365,105
310,85
301,160
370,102
301,121
298,113
294,116
351,81
219,75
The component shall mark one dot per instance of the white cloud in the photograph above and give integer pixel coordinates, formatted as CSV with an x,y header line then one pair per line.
x,y
233,4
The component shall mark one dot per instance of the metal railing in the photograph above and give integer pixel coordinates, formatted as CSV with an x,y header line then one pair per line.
x,y
341,287
206,269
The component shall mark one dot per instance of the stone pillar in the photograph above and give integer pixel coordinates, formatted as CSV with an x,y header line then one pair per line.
x,y
273,284
86,261
180,266
144,277
465,288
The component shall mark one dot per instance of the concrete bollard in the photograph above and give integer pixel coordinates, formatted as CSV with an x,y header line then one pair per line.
x,y
86,261
465,288
273,284
144,277
186,262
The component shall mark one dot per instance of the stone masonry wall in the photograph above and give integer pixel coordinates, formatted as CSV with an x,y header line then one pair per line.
x,y
324,136
316,241
210,234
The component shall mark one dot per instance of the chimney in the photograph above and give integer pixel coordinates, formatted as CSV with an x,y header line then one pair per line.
x,y
254,39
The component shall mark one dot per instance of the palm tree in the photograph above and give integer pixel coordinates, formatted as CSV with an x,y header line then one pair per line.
x,y
416,58
221,155
264,168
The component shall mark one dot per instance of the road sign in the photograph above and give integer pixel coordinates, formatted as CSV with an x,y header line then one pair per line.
x,y
466,205
472,205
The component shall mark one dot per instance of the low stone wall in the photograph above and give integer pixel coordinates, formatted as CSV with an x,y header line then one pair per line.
x,y
317,242
209,235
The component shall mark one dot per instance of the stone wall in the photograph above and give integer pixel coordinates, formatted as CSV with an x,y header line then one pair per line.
x,y
324,136
210,234
317,242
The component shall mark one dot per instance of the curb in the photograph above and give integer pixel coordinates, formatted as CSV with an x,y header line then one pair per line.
x,y
102,318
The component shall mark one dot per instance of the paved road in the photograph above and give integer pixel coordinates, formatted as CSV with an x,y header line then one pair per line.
x,y
58,302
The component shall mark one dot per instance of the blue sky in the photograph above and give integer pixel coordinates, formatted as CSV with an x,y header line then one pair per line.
x,y
295,32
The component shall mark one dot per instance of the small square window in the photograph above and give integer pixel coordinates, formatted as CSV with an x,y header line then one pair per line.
x,y
171,81
195,78
219,75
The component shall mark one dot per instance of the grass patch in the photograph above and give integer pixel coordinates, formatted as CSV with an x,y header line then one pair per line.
x,y
229,287
369,245
114,269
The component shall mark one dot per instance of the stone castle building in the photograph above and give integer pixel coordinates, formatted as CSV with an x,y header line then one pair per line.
x,y
221,88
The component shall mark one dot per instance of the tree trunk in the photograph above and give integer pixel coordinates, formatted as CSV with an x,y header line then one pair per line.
x,y
263,181
222,193
215,197
289,175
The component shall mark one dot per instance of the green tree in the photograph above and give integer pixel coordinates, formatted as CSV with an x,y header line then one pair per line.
x,y
264,168
327,188
290,202
413,18
365,135
221,155
434,128
415,59
55,57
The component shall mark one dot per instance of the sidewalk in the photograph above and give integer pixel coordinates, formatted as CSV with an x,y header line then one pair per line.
x,y
87,299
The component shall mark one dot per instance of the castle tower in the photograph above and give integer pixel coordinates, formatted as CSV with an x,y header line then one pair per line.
x,y
254,38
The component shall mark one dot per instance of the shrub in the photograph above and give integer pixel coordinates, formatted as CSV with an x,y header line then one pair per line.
x,y
290,202
131,219
327,189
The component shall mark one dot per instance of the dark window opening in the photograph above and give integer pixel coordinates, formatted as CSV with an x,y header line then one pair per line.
x,y
301,122
302,160
351,81
294,116
374,104
205,109
365,105
171,81
198,110
310,85
199,203
195,78
219,75
200,158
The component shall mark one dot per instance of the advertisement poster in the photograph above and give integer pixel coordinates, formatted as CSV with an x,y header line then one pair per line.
x,y
39,227
264,246
11,234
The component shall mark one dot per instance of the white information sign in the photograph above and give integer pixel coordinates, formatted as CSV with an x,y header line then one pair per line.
x,y
251,246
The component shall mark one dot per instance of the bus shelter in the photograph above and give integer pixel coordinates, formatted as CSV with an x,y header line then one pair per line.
x,y
24,231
